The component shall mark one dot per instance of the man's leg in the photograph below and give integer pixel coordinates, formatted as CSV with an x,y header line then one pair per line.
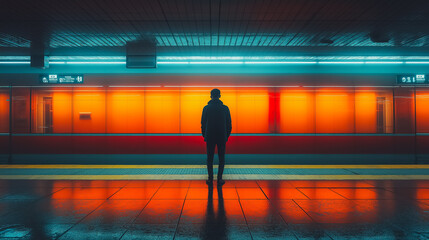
x,y
221,154
210,155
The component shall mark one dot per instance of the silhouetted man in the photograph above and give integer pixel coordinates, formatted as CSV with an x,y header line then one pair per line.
x,y
216,128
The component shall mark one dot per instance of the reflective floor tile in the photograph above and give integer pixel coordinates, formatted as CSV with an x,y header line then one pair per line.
x,y
161,212
290,211
203,193
98,183
149,232
410,193
26,193
29,184
84,193
244,183
14,231
250,193
176,183
423,201
228,184
171,193
203,184
401,183
99,231
215,232
408,217
11,205
117,212
61,211
198,184
47,231
271,232
424,235
274,184
309,231
320,193
283,193
212,212
364,193
134,193
103,210
366,231
331,183
341,211
260,212
145,183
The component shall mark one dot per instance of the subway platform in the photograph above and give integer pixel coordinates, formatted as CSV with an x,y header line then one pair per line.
x,y
174,202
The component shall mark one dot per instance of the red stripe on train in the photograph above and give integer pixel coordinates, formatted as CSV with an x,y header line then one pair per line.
x,y
236,145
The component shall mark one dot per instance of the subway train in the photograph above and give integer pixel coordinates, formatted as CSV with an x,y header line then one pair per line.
x,y
140,119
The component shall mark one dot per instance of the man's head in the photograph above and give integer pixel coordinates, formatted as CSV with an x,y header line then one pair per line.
x,y
215,93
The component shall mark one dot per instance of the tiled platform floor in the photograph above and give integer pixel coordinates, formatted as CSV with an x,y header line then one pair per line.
x,y
199,172
156,209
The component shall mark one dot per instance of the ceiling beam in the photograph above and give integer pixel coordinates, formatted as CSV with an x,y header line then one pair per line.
x,y
231,51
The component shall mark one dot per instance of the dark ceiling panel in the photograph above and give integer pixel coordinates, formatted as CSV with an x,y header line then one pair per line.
x,y
217,23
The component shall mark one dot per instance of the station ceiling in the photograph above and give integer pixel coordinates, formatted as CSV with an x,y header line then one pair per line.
x,y
216,27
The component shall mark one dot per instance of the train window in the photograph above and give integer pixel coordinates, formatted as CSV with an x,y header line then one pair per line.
x,y
229,98
125,111
192,102
334,111
21,110
162,111
51,111
374,111
296,111
404,110
422,110
92,102
4,110
252,111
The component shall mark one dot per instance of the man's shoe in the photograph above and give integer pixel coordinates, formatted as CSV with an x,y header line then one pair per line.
x,y
220,182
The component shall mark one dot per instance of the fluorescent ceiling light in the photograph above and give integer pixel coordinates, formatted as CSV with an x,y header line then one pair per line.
x,y
7,62
286,62
384,62
345,62
212,62
172,62
408,62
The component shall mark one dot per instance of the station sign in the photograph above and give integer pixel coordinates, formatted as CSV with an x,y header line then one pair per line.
x,y
61,78
412,79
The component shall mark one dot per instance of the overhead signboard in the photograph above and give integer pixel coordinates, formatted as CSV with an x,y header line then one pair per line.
x,y
412,79
61,78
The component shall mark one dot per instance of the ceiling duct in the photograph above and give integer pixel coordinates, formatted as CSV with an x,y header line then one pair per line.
x,y
379,37
38,55
141,54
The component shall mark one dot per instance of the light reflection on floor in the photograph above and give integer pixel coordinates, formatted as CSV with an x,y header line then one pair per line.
x,y
34,209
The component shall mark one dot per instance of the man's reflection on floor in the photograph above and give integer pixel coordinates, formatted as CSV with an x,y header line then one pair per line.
x,y
215,224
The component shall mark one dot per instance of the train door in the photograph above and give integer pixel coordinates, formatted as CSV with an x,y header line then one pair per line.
x,y
381,115
47,115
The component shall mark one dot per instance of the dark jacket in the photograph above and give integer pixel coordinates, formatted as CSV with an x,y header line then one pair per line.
x,y
216,122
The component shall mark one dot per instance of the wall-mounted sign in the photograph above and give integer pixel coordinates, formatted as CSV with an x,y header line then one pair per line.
x,y
61,78
412,79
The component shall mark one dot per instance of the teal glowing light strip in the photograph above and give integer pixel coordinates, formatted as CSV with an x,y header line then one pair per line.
x,y
415,62
279,62
120,63
229,61
13,63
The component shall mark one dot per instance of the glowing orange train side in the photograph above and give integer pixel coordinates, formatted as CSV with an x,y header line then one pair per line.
x,y
297,115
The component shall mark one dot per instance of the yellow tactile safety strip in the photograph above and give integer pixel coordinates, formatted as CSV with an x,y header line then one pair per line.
x,y
226,176
62,166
